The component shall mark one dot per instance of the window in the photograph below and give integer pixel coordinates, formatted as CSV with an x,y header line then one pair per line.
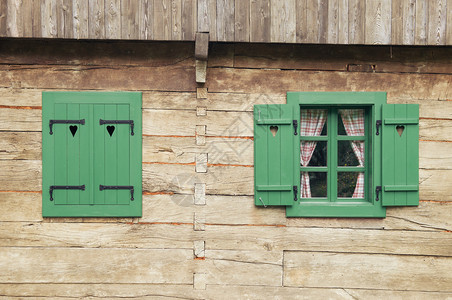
x,y
91,154
336,155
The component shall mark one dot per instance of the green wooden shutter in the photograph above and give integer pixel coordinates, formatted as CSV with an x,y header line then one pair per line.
x,y
275,156
104,159
400,155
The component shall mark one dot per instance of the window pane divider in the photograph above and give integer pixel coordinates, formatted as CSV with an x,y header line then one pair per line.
x,y
314,169
314,138
350,138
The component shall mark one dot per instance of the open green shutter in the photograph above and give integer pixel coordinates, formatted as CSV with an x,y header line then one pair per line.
x,y
91,154
400,155
275,159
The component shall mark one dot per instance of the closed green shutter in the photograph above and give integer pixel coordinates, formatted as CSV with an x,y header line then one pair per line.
x,y
400,155
91,154
276,140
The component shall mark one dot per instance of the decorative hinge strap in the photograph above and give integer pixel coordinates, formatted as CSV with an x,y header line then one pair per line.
x,y
295,126
295,193
118,187
130,122
64,187
51,122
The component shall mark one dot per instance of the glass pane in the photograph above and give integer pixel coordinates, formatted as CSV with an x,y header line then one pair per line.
x,y
315,187
350,122
316,158
313,122
348,153
347,182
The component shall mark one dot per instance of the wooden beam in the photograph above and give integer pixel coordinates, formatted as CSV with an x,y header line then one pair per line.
x,y
202,45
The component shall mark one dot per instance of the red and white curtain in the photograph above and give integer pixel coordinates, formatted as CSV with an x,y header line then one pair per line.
x,y
311,124
353,120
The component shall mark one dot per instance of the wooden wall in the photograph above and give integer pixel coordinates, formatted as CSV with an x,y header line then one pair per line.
x,y
201,236
397,22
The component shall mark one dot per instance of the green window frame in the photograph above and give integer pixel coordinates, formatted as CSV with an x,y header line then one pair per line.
x,y
389,179
91,154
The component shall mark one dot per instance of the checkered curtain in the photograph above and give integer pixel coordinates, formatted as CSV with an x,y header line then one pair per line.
x,y
353,120
312,121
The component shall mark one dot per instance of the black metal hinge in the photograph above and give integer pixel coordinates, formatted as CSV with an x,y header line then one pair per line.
x,y
378,127
377,192
65,187
51,122
295,193
118,187
130,122
295,126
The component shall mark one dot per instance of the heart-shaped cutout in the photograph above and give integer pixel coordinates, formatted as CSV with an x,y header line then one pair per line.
x,y
73,129
274,130
400,129
110,130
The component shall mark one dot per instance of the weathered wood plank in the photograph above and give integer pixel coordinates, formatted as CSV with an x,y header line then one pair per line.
x,y
146,19
3,17
225,20
162,19
21,175
220,180
20,119
81,19
378,22
242,21
110,78
90,291
339,240
115,235
301,22
65,19
283,19
27,18
262,268
409,22
130,19
91,53
36,21
203,16
421,32
356,21
96,19
112,19
14,18
343,21
121,291
327,270
414,86
397,18
437,17
20,145
176,21
260,21
96,265
449,23
189,20
49,21
312,21
333,22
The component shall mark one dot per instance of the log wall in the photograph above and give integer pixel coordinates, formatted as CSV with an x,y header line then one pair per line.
x,y
201,237
396,22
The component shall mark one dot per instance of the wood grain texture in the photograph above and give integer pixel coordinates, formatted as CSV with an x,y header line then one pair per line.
x,y
146,19
176,21
437,17
409,22
283,21
81,19
162,19
327,270
96,19
49,21
225,20
378,22
260,21
356,21
189,20
3,19
242,21
449,23
203,16
113,19
54,264
422,19
27,19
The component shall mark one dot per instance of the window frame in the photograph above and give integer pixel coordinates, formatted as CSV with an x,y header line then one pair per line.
x,y
373,102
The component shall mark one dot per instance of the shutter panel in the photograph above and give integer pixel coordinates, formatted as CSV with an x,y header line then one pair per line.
x,y
400,155
275,162
103,158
